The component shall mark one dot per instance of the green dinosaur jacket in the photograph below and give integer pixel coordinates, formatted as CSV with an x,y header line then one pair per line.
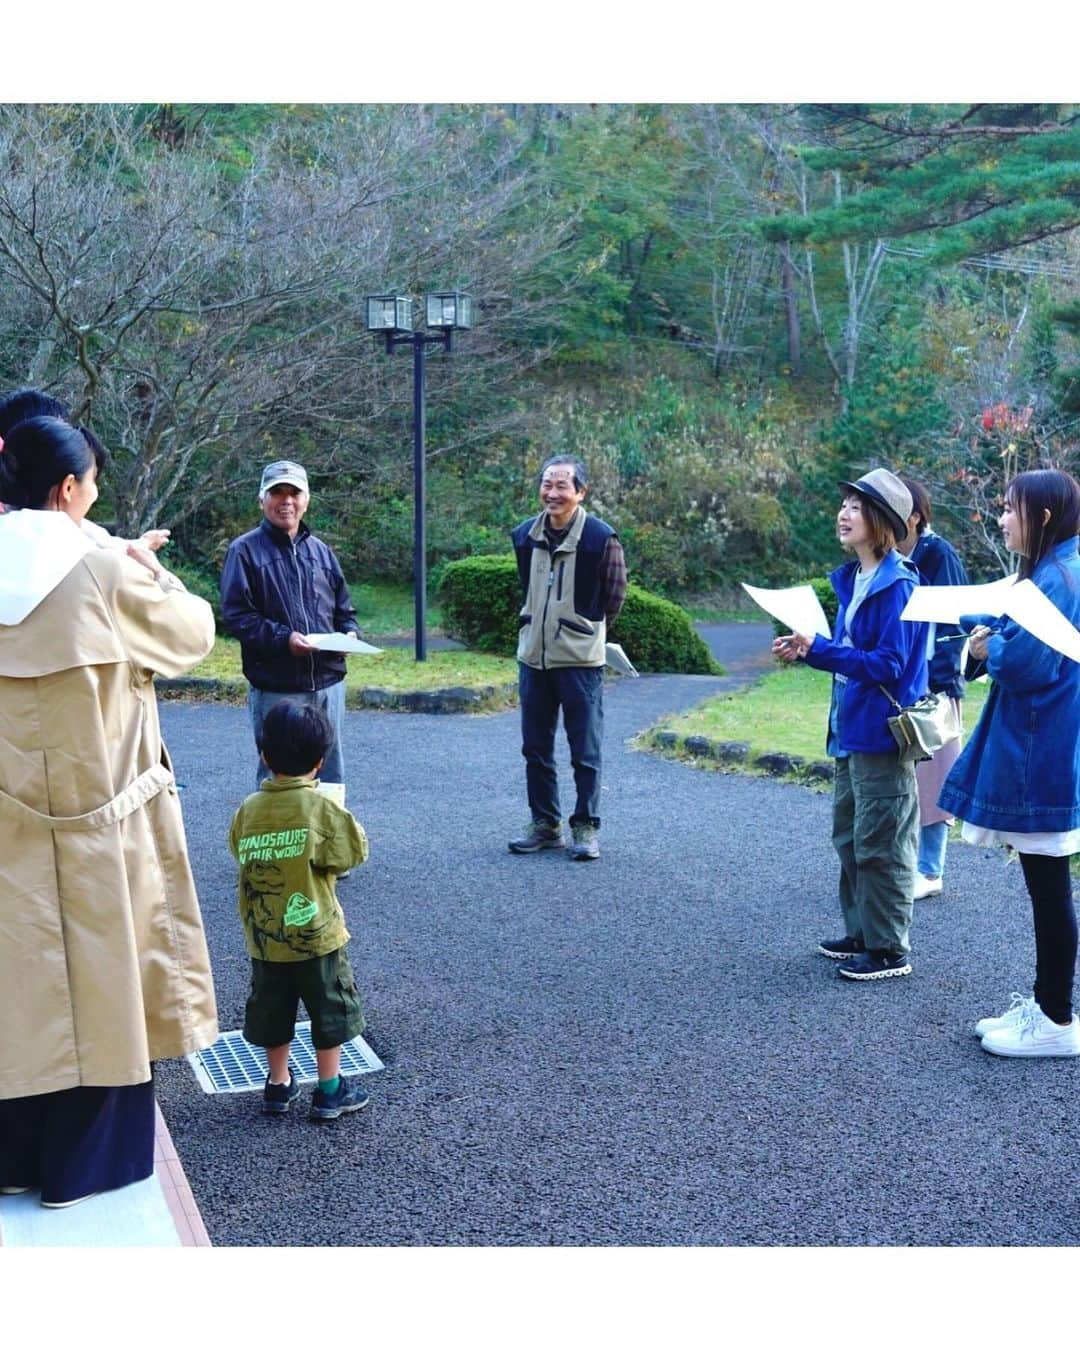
x,y
290,842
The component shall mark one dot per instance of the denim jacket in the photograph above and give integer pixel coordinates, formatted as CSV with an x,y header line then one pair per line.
x,y
1020,770
885,650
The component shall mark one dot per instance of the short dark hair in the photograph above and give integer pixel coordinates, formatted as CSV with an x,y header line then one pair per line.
x,y
920,502
22,404
581,474
295,737
1030,494
38,455
881,528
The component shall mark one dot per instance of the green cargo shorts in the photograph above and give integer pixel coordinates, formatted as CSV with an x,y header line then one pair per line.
x,y
328,989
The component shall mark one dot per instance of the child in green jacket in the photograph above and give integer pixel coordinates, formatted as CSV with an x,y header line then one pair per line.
x,y
291,842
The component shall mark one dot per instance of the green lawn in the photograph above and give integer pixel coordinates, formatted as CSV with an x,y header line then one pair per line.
x,y
785,711
387,610
394,669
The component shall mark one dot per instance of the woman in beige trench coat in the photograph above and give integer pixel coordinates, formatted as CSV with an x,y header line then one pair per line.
x,y
103,959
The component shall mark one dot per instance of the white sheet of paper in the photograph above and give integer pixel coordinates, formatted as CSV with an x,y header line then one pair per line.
x,y
945,604
341,642
797,606
1028,607
335,791
617,659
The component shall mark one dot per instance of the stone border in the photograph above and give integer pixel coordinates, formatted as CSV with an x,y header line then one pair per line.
x,y
458,699
736,754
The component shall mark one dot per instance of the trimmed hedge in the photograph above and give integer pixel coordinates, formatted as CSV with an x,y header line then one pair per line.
x,y
481,600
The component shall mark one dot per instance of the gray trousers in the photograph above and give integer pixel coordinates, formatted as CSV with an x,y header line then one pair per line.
x,y
876,837
331,700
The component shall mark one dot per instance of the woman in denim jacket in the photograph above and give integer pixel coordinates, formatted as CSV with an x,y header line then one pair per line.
x,y
1017,781
873,656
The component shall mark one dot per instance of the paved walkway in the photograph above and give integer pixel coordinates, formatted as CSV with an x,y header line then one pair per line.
x,y
645,1050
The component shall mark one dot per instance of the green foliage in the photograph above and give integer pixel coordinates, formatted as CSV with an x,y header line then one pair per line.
x,y
199,583
894,404
967,180
1067,381
481,601
658,636
612,171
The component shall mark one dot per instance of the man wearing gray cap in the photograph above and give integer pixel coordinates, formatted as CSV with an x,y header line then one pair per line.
x,y
279,583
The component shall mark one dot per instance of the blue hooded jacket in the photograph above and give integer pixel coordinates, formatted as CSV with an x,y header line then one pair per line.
x,y
886,650
940,565
1020,770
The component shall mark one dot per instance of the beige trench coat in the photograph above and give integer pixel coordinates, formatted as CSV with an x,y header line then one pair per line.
x,y
103,959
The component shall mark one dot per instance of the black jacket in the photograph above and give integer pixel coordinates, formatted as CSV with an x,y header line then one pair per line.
x,y
272,586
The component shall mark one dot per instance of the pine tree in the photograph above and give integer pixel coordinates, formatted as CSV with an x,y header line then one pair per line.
x,y
960,180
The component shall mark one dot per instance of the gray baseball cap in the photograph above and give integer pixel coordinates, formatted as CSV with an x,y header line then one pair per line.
x,y
887,491
283,471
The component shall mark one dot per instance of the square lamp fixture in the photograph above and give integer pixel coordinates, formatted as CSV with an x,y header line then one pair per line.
x,y
389,314
449,309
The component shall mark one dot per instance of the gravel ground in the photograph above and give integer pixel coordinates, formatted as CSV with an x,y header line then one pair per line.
x,y
643,1050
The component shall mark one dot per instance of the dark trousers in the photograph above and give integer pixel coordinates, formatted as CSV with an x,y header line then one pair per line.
x,y
579,691
79,1141
1050,887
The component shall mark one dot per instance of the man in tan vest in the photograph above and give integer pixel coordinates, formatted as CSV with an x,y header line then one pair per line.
x,y
573,583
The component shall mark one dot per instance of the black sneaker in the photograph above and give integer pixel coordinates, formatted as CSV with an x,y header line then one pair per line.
x,y
350,1096
841,948
875,966
538,835
278,1097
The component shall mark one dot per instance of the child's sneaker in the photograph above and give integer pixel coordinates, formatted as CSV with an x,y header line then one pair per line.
x,y
350,1096
278,1097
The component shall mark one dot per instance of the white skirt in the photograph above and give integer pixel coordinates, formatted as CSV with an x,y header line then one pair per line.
x,y
1049,844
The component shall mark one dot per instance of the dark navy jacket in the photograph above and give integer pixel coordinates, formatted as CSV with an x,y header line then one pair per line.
x,y
886,650
272,586
939,565
1020,770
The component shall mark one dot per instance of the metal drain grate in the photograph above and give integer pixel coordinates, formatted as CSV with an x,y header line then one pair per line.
x,y
232,1064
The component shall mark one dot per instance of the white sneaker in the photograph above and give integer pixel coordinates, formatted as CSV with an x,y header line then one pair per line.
x,y
1013,1013
926,886
1033,1033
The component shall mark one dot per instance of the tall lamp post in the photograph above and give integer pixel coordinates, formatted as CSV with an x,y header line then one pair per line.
x,y
446,313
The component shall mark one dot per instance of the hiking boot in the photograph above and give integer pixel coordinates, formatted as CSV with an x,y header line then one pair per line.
x,y
841,948
1033,1033
1012,1014
926,886
539,834
350,1096
875,966
278,1097
585,846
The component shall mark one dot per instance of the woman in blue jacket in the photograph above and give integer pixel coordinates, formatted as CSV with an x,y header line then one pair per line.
x,y
873,656
939,565
1017,781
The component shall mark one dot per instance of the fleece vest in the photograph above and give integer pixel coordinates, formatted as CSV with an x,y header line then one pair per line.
x,y
562,621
